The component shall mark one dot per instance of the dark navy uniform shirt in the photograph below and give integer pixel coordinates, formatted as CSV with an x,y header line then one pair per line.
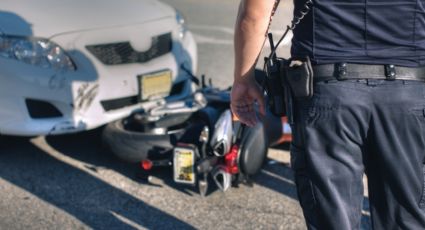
x,y
362,31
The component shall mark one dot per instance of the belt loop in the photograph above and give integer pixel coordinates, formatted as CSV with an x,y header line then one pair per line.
x,y
340,71
390,72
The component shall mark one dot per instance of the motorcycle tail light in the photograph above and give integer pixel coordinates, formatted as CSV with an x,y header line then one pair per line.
x,y
231,160
146,165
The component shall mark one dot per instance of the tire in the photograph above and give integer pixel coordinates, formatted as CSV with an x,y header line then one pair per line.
x,y
131,141
133,146
253,149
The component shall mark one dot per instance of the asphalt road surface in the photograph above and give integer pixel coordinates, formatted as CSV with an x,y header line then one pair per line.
x,y
71,182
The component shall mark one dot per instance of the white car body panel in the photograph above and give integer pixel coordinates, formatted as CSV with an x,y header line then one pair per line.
x,y
50,17
79,95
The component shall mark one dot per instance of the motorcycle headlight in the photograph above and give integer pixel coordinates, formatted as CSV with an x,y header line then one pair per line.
x,y
35,51
182,24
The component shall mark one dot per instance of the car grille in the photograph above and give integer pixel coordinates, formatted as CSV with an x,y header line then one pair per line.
x,y
123,52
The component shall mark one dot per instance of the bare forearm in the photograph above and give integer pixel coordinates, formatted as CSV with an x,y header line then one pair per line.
x,y
250,30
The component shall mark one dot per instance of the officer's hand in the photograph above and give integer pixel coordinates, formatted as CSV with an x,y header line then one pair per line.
x,y
245,93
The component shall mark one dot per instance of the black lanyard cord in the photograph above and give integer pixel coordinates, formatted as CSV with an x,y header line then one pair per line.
x,y
295,21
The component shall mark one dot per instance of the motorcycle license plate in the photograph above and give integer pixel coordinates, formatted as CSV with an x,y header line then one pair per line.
x,y
184,165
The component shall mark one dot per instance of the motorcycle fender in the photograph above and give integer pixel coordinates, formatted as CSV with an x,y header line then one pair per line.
x,y
253,149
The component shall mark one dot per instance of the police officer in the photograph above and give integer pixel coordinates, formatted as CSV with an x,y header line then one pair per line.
x,y
367,113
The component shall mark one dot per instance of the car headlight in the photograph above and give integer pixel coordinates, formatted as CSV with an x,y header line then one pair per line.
x,y
35,51
182,24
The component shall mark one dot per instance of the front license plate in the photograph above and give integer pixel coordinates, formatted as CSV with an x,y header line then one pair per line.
x,y
184,165
155,85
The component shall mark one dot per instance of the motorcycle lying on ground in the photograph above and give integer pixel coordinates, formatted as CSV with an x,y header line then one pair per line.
x,y
199,137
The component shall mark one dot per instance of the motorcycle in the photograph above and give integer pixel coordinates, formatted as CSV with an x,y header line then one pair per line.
x,y
198,137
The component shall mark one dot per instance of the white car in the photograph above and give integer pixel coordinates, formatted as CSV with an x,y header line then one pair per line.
x,y
74,65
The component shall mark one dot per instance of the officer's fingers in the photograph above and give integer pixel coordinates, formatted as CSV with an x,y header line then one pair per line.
x,y
244,109
249,109
237,110
236,105
262,106
246,117
252,119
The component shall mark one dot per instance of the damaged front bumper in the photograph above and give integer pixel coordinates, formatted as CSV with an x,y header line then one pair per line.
x,y
36,101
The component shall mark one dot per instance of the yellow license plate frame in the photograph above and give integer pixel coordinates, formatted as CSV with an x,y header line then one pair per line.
x,y
155,85
184,165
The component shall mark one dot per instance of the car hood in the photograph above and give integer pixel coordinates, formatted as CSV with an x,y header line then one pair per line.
x,y
46,18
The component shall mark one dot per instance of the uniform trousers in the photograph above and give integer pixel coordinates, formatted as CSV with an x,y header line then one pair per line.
x,y
357,126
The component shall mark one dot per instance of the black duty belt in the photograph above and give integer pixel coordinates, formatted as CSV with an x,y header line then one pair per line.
x,y
345,71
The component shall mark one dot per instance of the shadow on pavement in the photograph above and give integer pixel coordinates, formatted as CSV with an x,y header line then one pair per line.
x,y
97,156
80,194
277,176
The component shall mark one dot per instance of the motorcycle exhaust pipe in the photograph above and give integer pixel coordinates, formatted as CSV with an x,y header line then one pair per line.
x,y
222,179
